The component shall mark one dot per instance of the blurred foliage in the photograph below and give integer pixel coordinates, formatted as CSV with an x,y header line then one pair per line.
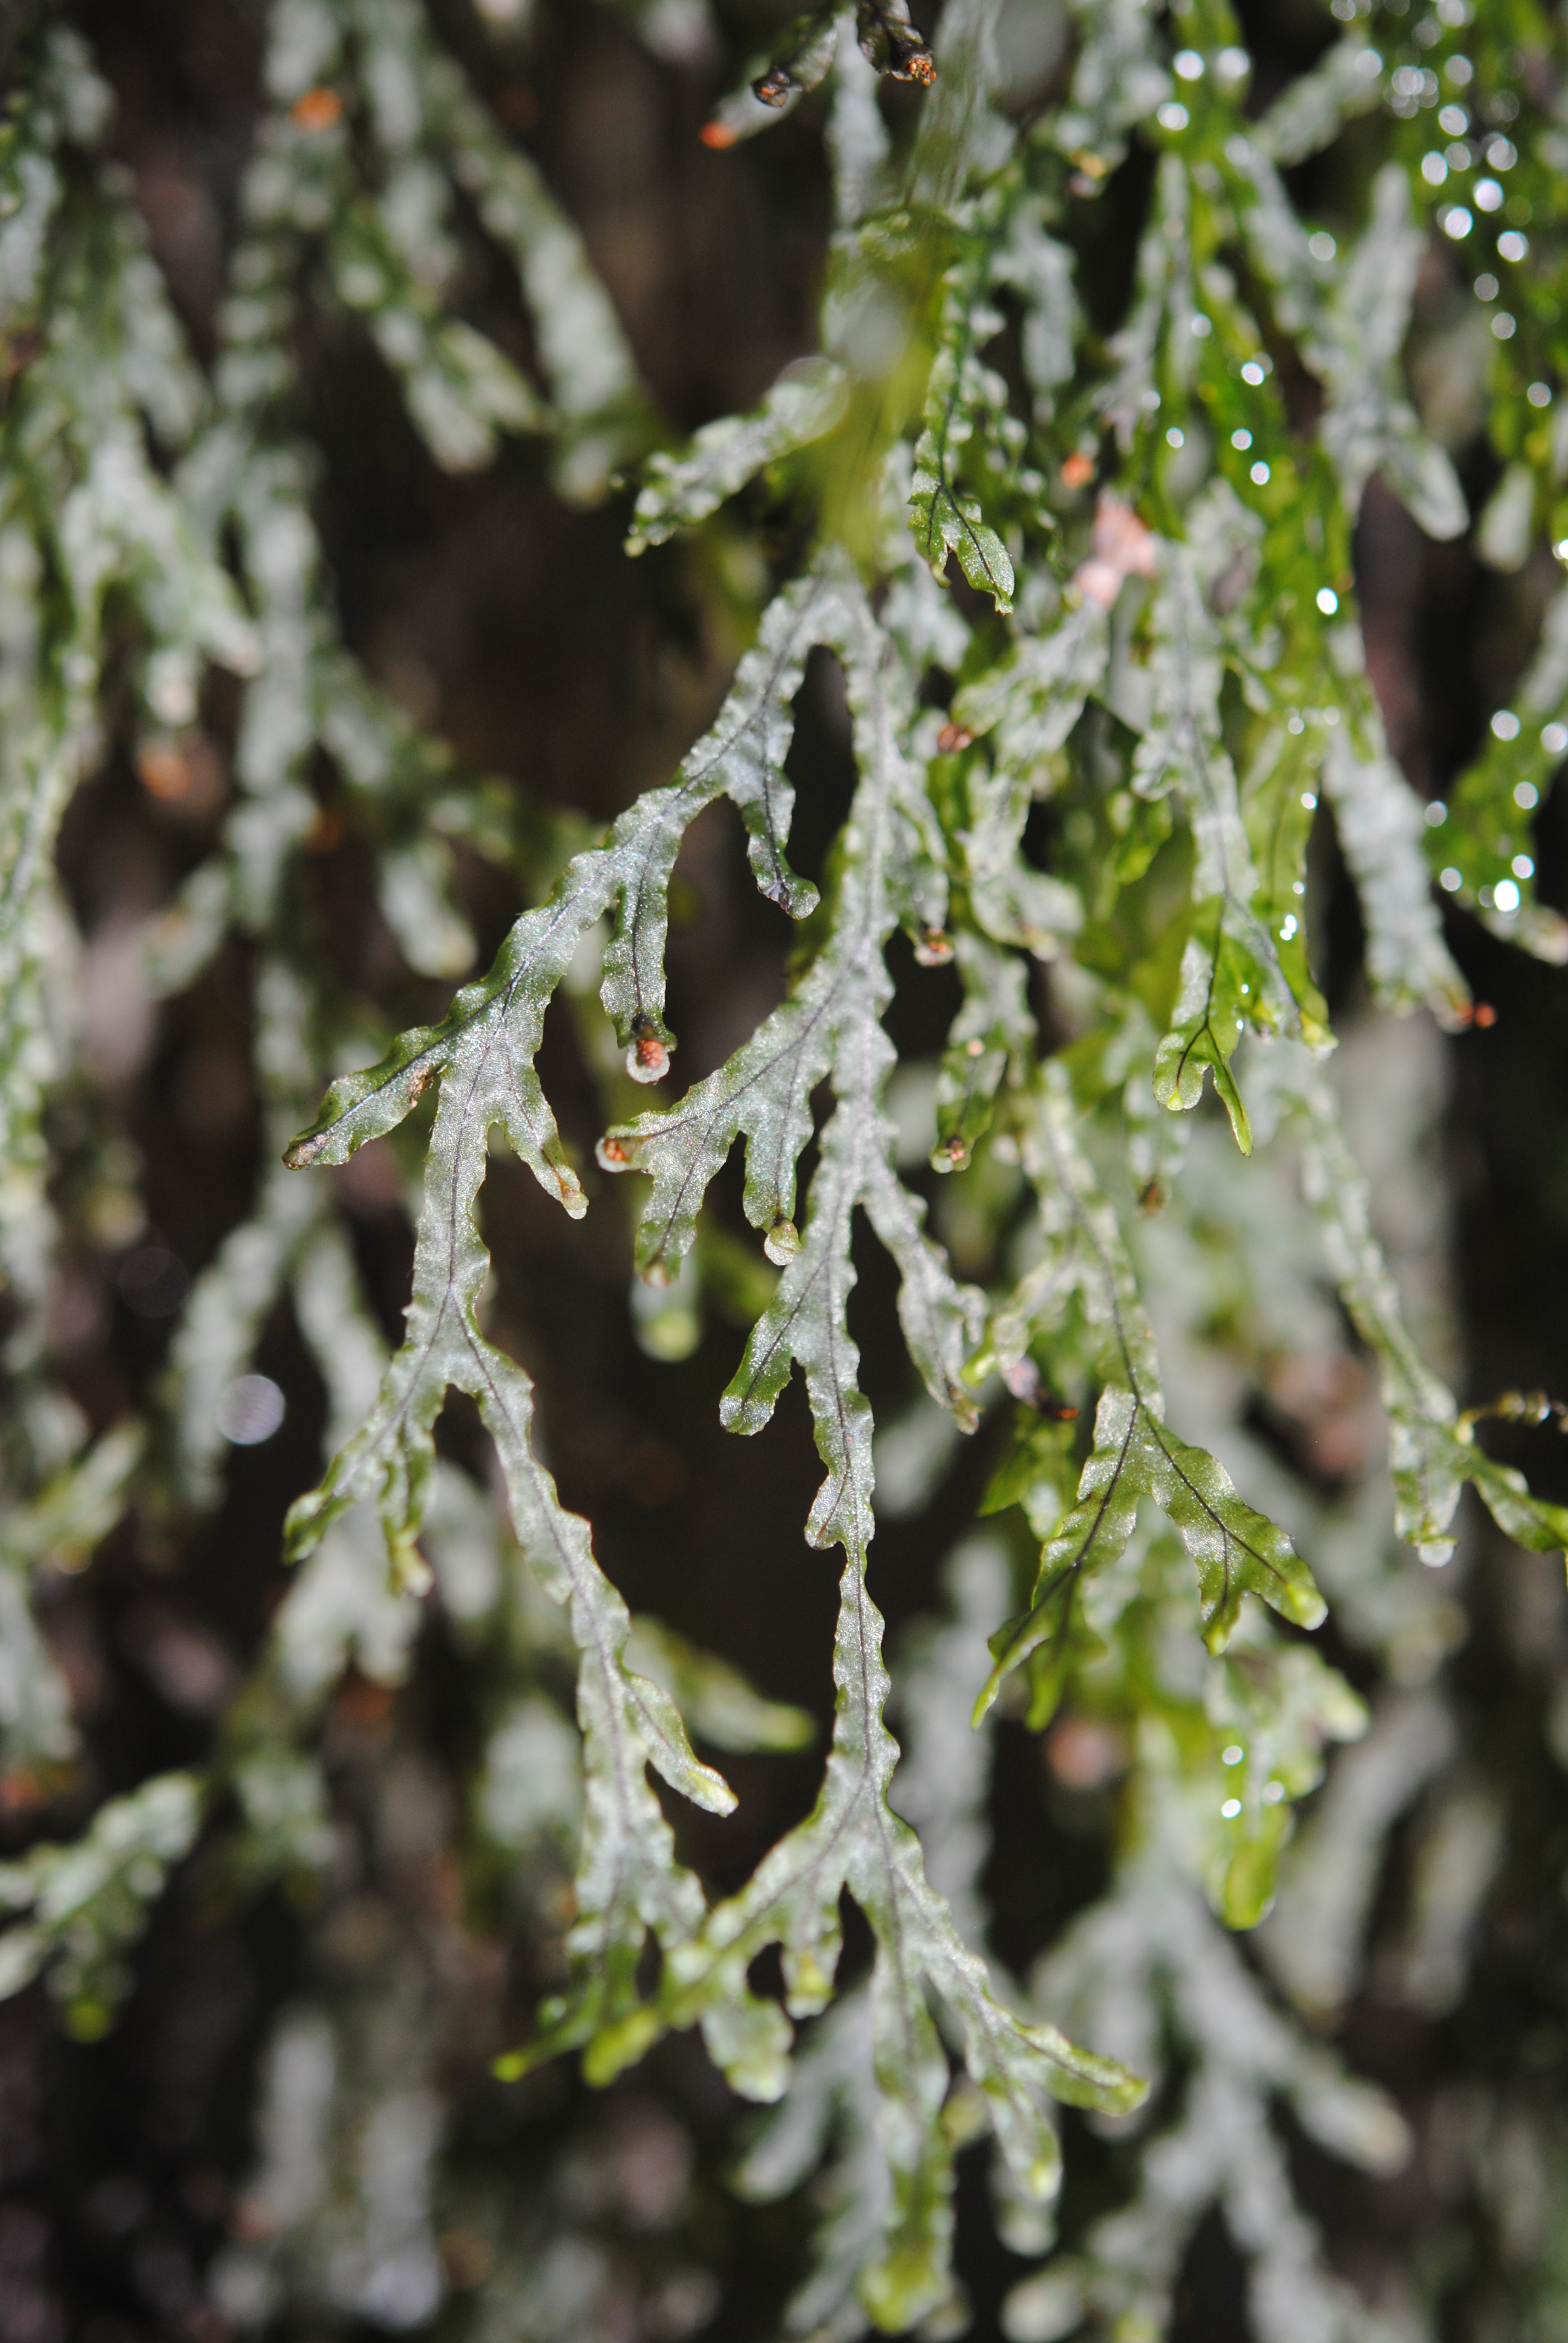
x,y
1087,1111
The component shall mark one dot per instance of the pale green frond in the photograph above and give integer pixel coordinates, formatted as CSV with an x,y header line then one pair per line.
x,y
807,401
1378,819
1311,111
1368,423
716,1703
87,1903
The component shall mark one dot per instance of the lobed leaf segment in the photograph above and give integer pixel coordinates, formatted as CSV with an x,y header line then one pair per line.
x,y
1233,1549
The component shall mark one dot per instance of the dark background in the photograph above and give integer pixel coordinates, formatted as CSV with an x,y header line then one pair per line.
x,y
517,628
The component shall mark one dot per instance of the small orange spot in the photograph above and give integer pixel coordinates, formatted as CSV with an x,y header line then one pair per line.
x,y
1123,548
773,88
319,109
185,772
325,833
253,2220
20,1792
516,106
1085,1754
610,1151
466,2257
952,738
162,769
1077,471
358,1703
716,134
1485,1014
921,67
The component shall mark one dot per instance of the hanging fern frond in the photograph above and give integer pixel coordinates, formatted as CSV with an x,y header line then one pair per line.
x,y
1067,500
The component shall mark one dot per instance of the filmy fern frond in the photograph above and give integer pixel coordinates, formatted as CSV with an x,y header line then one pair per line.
x,y
830,1026
1084,560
